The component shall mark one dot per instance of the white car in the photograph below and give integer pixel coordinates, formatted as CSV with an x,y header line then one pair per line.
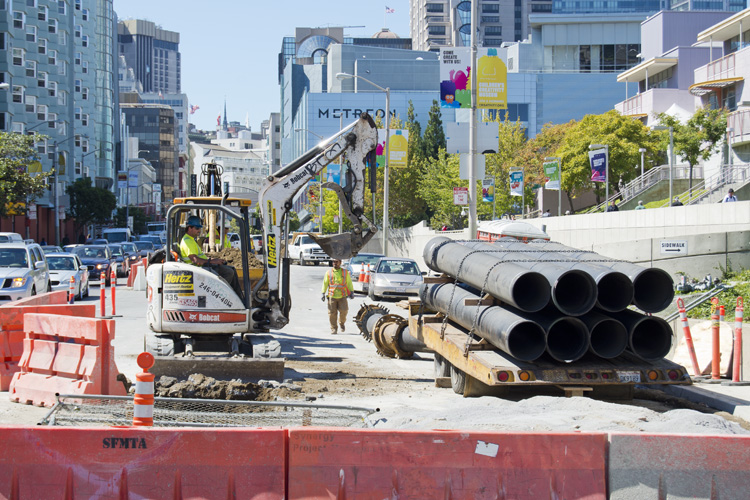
x,y
62,267
395,277
23,271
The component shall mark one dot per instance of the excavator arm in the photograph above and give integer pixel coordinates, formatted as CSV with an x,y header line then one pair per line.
x,y
358,142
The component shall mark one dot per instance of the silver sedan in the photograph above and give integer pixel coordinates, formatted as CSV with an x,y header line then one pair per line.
x,y
395,277
62,267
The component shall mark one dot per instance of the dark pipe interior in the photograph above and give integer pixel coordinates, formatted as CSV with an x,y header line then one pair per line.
x,y
651,339
654,290
526,341
531,292
614,292
567,340
574,293
609,338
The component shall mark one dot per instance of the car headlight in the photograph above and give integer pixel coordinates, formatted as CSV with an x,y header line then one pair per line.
x,y
101,266
133,257
18,282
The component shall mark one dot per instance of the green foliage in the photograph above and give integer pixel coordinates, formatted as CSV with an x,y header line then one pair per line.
x,y
511,141
139,219
293,221
727,298
434,136
441,176
405,207
89,204
17,153
624,136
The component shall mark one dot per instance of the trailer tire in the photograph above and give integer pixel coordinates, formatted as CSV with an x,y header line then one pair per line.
x,y
442,367
458,380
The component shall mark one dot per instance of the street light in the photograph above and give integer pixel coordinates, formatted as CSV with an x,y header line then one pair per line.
x,y
559,190
670,154
320,204
606,170
387,90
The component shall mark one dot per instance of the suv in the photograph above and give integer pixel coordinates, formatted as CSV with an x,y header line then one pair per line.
x,y
304,250
23,271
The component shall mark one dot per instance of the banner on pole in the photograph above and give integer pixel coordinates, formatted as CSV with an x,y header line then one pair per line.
x,y
488,190
552,174
598,159
122,180
516,183
133,179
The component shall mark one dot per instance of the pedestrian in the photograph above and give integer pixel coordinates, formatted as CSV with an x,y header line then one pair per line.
x,y
444,228
676,202
43,242
640,205
730,196
567,212
546,214
613,207
66,240
337,288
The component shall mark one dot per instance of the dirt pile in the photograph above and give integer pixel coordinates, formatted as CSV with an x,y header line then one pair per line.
x,y
201,387
233,256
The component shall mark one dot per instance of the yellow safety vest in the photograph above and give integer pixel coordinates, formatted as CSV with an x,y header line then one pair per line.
x,y
332,287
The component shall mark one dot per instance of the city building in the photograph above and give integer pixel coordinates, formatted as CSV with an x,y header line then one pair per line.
x,y
153,53
243,170
59,59
271,131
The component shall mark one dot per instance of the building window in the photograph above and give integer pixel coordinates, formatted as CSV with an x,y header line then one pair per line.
x,y
85,40
436,30
85,94
78,85
52,26
85,14
85,120
41,113
492,42
77,58
78,30
490,8
42,46
78,4
31,34
18,93
19,57
31,3
62,8
77,140
42,15
85,67
31,69
19,20
78,113
52,120
41,80
52,89
434,7
30,103
493,30
52,57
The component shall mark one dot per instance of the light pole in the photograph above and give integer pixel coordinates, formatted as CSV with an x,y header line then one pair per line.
x,y
320,204
387,90
642,151
670,154
606,170
559,190
730,133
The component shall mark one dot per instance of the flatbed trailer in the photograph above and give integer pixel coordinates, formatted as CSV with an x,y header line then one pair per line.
x,y
473,367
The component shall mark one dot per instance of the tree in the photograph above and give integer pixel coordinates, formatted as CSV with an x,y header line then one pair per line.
x,y
544,145
622,134
17,186
511,141
699,138
89,203
293,221
436,188
434,136
139,219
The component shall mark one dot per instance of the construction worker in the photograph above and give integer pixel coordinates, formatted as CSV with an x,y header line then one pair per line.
x,y
337,288
227,243
191,253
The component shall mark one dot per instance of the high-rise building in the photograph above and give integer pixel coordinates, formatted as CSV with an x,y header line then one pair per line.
x,y
153,53
59,60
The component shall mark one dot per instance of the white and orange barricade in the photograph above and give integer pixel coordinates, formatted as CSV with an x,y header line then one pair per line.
x,y
143,402
72,290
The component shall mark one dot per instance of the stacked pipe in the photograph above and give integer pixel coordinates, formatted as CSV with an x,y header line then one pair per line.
x,y
550,298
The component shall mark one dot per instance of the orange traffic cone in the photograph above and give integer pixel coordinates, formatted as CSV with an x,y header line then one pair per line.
x,y
361,273
367,274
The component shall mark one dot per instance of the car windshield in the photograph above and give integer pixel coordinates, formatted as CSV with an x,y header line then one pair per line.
x,y
144,245
364,259
61,263
13,257
116,250
398,267
128,247
50,249
305,240
90,252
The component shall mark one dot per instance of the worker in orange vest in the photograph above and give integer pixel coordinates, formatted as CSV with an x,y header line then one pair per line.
x,y
337,288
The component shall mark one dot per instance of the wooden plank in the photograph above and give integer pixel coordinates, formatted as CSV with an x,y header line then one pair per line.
x,y
574,391
443,382
436,280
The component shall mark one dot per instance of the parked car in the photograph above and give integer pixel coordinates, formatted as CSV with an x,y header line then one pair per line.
x,y
10,238
98,259
63,266
123,262
50,249
132,253
23,271
354,266
395,277
145,248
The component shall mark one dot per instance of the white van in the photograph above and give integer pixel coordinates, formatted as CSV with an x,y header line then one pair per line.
x,y
117,235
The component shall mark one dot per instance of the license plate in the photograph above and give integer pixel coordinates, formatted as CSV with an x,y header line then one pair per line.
x,y
629,376
401,289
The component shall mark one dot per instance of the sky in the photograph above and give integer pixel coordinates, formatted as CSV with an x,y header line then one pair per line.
x,y
230,48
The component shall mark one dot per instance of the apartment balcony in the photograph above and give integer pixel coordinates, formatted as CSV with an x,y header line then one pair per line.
x,y
738,127
725,72
655,101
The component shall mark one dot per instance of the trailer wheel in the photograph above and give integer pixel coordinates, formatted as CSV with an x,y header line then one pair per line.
x,y
458,380
442,367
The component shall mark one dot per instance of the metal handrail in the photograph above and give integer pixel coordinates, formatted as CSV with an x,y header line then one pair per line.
x,y
728,174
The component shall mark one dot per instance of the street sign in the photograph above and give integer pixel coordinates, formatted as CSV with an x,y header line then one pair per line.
x,y
460,196
673,247
32,211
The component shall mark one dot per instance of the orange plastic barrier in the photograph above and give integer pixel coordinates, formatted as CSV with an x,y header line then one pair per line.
x,y
678,466
133,272
67,356
59,297
116,463
12,334
342,463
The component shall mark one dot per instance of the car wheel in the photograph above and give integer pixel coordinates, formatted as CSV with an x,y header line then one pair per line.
x,y
302,261
317,263
107,282
371,294
49,286
80,291
87,290
33,290
458,380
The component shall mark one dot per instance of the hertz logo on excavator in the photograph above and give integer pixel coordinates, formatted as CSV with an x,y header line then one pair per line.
x,y
271,250
178,277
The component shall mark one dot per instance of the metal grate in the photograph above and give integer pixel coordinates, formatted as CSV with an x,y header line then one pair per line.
x,y
96,410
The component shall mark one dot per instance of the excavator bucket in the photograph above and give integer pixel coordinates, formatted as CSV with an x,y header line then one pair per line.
x,y
342,246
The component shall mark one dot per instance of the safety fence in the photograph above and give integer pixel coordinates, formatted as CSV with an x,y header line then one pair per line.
x,y
323,463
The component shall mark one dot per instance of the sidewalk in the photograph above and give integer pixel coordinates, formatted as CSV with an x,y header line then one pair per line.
x,y
725,396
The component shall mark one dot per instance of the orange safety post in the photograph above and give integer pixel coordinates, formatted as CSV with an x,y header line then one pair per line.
x,y
722,313
143,402
113,281
103,293
737,340
361,273
688,336
715,351
72,290
367,274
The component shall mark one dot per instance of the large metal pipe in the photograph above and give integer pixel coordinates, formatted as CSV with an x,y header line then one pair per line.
x,y
653,288
509,282
608,337
520,337
573,291
392,339
649,337
567,337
